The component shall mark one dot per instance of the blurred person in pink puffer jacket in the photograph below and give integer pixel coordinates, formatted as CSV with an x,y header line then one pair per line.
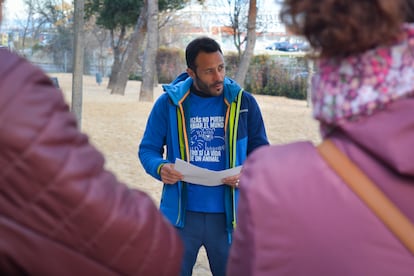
x,y
296,216
61,212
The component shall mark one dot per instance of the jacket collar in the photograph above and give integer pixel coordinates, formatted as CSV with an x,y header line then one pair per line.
x,y
178,89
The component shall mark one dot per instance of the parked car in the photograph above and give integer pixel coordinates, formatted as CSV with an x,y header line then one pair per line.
x,y
281,46
300,76
289,47
301,46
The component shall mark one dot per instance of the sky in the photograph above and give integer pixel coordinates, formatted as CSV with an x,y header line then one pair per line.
x,y
13,8
12,11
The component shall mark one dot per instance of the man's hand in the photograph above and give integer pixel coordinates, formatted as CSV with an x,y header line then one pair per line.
x,y
232,181
169,175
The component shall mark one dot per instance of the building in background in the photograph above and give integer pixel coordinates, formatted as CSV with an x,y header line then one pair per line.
x,y
213,19
4,39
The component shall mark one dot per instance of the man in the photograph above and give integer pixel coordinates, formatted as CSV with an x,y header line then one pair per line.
x,y
206,119
61,212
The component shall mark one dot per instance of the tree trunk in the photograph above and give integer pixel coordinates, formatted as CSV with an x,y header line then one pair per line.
x,y
118,57
115,68
150,56
77,78
251,41
310,64
131,55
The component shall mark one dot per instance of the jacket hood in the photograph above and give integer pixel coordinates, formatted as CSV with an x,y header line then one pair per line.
x,y
371,98
177,89
388,135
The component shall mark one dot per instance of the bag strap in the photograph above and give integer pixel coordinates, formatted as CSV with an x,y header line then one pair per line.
x,y
373,197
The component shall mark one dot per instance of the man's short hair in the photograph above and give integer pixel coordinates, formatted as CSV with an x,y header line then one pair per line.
x,y
201,44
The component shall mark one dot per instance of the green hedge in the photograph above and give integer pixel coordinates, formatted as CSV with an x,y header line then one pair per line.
x,y
170,63
267,75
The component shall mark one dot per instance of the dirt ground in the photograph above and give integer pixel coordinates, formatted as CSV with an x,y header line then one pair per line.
x,y
115,125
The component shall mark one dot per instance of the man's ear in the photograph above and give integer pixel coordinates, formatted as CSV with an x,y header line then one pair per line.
x,y
191,72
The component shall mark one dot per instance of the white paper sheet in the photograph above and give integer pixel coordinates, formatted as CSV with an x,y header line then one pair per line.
x,y
201,176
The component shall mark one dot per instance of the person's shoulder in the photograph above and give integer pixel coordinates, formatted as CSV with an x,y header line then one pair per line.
x,y
248,99
287,163
283,172
248,96
163,98
9,60
282,153
22,75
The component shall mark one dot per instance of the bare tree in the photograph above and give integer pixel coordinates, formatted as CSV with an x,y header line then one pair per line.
x,y
31,26
29,21
77,79
150,56
132,52
118,42
237,15
101,36
251,42
59,33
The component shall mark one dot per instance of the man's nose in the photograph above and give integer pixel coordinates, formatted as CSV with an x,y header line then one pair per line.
x,y
218,75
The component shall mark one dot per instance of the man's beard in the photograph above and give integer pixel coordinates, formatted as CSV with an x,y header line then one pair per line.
x,y
204,87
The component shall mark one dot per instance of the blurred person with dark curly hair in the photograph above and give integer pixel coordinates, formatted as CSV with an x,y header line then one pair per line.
x,y
296,215
61,212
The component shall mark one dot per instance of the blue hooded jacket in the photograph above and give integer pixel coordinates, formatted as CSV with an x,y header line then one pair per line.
x,y
167,126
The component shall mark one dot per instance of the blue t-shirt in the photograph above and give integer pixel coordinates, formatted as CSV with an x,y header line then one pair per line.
x,y
207,150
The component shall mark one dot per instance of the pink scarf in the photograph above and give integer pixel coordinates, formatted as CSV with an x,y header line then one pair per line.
x,y
363,84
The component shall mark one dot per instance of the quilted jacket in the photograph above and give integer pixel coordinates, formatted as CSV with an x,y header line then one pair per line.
x,y
296,215
61,212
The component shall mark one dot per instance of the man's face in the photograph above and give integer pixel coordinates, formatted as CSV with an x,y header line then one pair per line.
x,y
209,75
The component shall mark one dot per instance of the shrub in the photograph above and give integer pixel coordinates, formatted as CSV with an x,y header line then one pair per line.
x,y
135,77
267,74
170,63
